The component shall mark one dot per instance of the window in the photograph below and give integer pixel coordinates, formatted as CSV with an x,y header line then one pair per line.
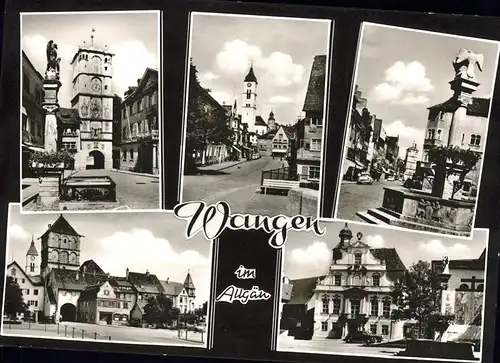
x,y
314,172
386,308
355,307
13,272
475,140
32,267
480,287
27,291
376,280
373,328
337,280
325,309
324,326
125,305
35,292
464,287
439,135
23,280
316,144
357,258
105,87
247,105
430,134
385,329
374,307
336,306
463,137
131,154
316,121
249,94
36,303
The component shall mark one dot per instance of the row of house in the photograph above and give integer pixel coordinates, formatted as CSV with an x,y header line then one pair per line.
x,y
368,145
57,287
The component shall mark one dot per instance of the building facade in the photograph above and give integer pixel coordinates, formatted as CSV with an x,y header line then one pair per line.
x,y
354,294
92,97
140,150
33,115
309,130
282,142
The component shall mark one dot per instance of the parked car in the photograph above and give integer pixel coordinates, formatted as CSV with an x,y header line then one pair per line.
x,y
362,337
365,178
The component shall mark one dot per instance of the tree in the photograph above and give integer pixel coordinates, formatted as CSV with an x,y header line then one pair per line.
x,y
417,294
206,123
152,311
160,310
14,301
438,322
204,308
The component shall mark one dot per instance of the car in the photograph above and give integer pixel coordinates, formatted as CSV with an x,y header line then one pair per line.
x,y
362,337
391,178
365,178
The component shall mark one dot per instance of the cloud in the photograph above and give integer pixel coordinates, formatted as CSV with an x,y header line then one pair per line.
x,y
311,260
403,84
280,100
407,134
435,249
237,55
209,76
375,241
131,249
17,232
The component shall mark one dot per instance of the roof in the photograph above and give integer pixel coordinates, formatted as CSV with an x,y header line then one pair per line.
x,y
476,264
303,289
315,95
142,83
286,292
68,116
171,288
250,77
478,107
188,282
28,62
76,280
90,266
61,225
90,292
259,121
120,283
35,280
390,256
140,305
145,282
268,135
32,250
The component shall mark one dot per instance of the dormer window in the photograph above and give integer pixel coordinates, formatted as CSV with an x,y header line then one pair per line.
x,y
337,279
376,280
357,258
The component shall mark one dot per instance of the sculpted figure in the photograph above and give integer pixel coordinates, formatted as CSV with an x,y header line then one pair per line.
x,y
52,59
466,62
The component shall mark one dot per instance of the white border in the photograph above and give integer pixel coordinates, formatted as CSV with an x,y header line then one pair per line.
x,y
388,356
208,324
328,53
347,125
159,19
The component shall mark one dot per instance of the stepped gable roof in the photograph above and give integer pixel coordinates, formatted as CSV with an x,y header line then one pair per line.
x,y
250,77
68,116
76,280
145,282
259,121
172,288
315,96
61,225
286,292
478,107
32,250
90,266
303,289
394,266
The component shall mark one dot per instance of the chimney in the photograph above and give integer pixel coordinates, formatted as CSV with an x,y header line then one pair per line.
x,y
147,272
138,81
168,280
127,272
50,225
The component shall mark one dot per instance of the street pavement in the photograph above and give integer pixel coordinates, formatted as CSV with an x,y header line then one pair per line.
x,y
356,198
133,191
117,333
332,346
239,185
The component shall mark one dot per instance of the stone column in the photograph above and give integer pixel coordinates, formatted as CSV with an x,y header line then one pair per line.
x,y
50,105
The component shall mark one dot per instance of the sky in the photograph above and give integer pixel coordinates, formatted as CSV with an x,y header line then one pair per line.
x,y
282,51
135,47
143,241
308,255
402,72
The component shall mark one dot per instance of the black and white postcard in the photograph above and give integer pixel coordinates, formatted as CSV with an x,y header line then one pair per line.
x,y
378,292
255,109
418,121
105,277
90,111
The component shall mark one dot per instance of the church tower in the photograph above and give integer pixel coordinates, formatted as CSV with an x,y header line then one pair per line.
x,y
32,265
271,121
60,247
249,102
92,96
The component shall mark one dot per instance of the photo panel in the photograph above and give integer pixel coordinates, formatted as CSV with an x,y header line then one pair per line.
x,y
367,291
126,278
417,127
90,111
255,112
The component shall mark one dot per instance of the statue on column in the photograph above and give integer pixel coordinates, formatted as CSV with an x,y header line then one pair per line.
x,y
465,64
446,267
53,61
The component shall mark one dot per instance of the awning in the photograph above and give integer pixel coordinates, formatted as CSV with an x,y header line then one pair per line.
x,y
235,148
24,112
279,151
34,148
